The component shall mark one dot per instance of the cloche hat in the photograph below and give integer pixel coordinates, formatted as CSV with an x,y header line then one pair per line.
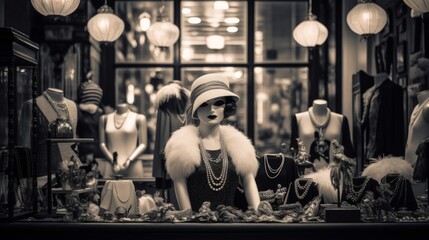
x,y
207,87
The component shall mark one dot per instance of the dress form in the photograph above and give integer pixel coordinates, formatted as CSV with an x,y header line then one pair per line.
x,y
316,128
48,114
419,126
123,132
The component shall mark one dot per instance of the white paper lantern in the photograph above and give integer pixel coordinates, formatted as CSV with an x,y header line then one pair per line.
x,y
310,33
163,34
105,26
55,7
366,19
421,6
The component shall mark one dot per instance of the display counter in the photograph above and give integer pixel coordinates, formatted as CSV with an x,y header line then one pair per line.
x,y
177,231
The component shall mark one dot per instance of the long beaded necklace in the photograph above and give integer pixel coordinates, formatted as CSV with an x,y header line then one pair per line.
x,y
59,107
355,195
216,183
321,144
122,123
305,188
271,172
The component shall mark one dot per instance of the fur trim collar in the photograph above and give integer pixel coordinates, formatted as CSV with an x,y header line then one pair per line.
x,y
183,155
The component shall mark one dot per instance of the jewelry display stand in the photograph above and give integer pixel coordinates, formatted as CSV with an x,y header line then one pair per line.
x,y
49,143
345,214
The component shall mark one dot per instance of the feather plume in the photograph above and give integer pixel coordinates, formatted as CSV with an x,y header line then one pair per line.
x,y
388,165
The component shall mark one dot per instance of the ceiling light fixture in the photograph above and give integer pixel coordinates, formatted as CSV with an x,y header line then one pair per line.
x,y
55,7
162,33
421,6
366,18
105,26
310,32
144,21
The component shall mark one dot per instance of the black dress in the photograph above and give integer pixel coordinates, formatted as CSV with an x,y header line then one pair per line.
x,y
87,127
199,190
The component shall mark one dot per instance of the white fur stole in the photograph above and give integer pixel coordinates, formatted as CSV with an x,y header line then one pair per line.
x,y
183,155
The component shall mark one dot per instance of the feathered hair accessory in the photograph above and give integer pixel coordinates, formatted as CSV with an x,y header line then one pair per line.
x,y
172,98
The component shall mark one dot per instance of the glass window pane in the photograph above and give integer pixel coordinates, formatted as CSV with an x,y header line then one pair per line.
x,y
279,94
138,87
274,24
238,84
213,35
133,45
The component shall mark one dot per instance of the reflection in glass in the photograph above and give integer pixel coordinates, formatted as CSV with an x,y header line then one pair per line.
x,y
279,94
138,88
238,84
205,37
274,23
133,46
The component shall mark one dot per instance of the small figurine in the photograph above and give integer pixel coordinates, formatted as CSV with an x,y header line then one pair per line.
x,y
342,169
302,158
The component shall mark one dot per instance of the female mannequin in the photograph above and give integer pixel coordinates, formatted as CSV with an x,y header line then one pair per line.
x,y
125,133
207,162
419,126
317,127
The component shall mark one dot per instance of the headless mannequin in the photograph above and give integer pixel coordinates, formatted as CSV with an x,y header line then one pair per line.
x,y
123,132
419,126
316,128
48,114
379,79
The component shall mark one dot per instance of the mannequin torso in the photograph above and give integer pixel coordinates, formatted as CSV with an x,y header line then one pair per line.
x,y
48,114
123,132
419,126
319,119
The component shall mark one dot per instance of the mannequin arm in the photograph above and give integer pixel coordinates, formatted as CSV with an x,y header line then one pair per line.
x,y
425,112
251,190
142,131
181,190
102,133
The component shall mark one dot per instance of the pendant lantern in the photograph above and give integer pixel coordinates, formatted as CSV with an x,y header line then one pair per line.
x,y
366,18
310,32
105,26
55,7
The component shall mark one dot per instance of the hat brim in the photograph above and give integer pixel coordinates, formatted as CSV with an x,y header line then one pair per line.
x,y
211,94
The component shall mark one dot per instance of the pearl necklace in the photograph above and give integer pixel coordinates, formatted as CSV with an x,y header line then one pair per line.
x,y
273,173
122,124
306,188
313,118
355,195
215,183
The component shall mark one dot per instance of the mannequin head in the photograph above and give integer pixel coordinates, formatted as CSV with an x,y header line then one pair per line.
x,y
214,86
